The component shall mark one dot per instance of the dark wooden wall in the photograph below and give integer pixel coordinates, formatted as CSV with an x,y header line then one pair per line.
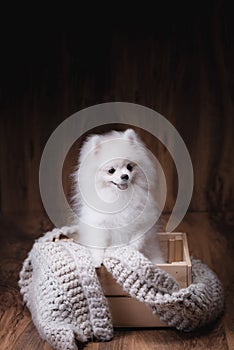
x,y
180,64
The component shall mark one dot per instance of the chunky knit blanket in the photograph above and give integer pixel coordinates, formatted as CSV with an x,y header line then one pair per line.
x,y
61,289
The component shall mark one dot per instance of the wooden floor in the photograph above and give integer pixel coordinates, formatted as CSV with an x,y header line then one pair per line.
x,y
206,241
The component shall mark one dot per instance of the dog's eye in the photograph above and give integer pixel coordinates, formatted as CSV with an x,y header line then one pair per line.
x,y
129,167
111,171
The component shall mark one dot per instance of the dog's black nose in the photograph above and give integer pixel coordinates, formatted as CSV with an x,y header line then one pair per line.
x,y
124,177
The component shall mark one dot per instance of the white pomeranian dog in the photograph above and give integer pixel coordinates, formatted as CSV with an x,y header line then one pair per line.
x,y
115,195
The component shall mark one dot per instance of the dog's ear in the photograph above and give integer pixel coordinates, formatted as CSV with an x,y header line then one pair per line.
x,y
96,142
130,135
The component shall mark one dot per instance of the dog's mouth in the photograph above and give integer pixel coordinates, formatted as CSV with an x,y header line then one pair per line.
x,y
122,186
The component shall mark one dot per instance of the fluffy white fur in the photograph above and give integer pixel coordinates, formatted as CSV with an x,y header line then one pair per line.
x,y
115,193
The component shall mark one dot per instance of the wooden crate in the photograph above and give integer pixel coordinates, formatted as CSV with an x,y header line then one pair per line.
x,y
129,312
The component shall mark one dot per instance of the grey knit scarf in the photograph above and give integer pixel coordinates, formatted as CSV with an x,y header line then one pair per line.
x,y
61,289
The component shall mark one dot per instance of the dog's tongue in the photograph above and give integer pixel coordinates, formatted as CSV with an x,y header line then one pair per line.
x,y
122,186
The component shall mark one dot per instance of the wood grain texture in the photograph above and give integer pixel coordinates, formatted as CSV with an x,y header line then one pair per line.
x,y
182,69
206,242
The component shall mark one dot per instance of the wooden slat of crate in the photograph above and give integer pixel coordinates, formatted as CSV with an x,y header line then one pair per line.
x,y
178,270
181,271
127,311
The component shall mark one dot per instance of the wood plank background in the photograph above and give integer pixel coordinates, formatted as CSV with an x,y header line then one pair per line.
x,y
184,71
179,64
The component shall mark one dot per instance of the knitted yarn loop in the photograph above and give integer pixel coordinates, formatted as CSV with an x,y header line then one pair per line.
x,y
61,289
185,309
59,284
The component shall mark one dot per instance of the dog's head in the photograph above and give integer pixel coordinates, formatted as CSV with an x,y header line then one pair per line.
x,y
116,161
114,153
